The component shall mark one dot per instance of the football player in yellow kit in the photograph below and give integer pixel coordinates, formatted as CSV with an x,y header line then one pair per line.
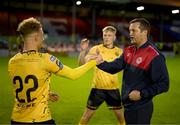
x,y
105,86
30,72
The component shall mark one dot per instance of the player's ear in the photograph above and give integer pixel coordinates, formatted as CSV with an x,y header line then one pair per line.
x,y
114,37
36,37
145,32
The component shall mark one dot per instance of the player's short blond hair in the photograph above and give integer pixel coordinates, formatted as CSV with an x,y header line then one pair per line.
x,y
28,26
109,28
84,40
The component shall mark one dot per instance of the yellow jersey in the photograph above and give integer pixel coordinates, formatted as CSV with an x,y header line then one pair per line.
x,y
101,79
30,74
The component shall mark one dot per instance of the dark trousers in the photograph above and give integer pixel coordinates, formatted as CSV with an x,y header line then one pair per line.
x,y
49,122
141,115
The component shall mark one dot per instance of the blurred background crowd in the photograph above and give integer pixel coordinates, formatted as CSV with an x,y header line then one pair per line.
x,y
66,22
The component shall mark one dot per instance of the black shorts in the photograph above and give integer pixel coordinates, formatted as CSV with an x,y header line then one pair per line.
x,y
98,96
49,122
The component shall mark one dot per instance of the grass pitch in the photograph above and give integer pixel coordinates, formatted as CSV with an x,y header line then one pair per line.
x,y
74,94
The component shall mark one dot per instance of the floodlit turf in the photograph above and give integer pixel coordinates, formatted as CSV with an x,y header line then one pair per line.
x,y
74,94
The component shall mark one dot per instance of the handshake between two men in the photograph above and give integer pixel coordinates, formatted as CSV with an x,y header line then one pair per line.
x,y
97,56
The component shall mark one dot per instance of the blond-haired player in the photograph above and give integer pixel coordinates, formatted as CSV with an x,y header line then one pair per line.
x,y
30,73
105,87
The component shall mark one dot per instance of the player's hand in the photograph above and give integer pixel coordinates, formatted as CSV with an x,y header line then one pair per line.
x,y
84,46
53,97
90,57
134,95
99,58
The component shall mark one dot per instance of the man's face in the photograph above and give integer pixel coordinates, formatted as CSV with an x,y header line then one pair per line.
x,y
108,38
136,35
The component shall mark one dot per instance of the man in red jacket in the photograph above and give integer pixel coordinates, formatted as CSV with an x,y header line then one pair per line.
x,y
145,73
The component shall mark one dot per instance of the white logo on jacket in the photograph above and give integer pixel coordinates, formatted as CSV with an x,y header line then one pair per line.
x,y
139,60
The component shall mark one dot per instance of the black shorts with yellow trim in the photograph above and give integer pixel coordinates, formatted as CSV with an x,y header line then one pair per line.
x,y
98,96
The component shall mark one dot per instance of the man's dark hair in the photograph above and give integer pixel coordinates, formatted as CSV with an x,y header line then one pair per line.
x,y
144,24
